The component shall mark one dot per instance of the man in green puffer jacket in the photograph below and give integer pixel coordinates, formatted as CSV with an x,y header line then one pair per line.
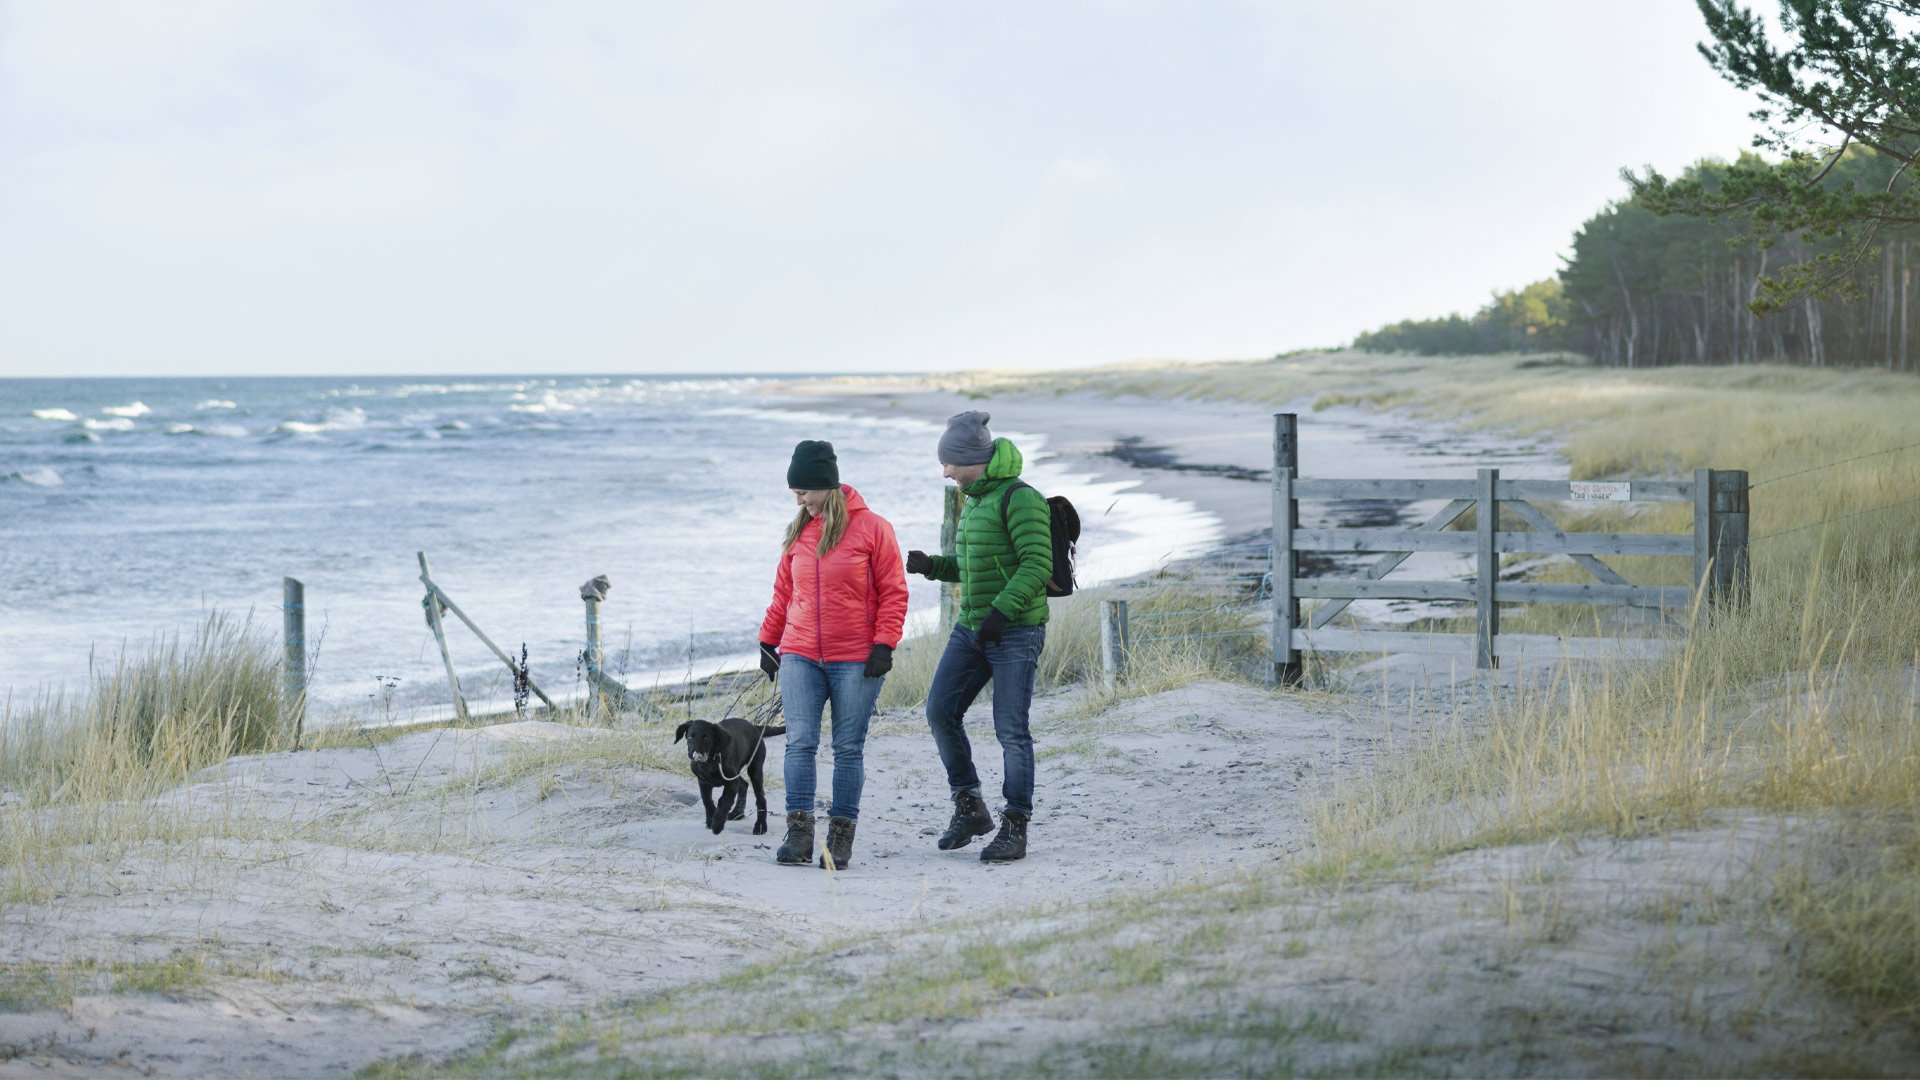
x,y
1004,556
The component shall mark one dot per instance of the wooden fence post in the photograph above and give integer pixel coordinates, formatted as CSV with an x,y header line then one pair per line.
x,y
1283,564
293,609
1702,535
952,500
1113,642
1486,569
440,636
591,657
1727,537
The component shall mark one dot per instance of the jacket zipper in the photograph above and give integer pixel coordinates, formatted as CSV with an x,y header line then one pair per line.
x,y
819,612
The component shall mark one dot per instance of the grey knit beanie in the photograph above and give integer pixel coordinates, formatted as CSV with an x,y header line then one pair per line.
x,y
966,440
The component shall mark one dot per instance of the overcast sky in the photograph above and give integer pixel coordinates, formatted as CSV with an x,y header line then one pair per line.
x,y
398,186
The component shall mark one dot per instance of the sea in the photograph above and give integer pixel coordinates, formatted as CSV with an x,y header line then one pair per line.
x,y
134,509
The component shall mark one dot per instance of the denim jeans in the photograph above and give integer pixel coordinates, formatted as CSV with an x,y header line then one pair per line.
x,y
965,669
805,688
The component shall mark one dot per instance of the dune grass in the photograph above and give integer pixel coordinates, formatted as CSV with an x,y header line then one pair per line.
x,y
184,703
1801,703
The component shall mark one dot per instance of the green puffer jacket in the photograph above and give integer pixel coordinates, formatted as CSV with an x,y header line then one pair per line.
x,y
1002,564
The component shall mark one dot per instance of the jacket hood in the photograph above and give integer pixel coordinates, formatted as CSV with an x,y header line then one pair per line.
x,y
854,501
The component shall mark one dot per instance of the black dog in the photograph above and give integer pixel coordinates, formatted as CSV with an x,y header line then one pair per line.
x,y
731,748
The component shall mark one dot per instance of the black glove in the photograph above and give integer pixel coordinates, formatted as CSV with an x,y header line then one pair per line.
x,y
770,661
992,627
919,562
879,661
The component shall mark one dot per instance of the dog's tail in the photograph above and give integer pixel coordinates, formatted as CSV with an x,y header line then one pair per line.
x,y
769,732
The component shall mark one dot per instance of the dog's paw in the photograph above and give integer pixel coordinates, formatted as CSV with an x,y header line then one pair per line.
x,y
737,815
760,826
718,827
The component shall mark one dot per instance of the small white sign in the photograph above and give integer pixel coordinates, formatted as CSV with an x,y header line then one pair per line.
x,y
1600,491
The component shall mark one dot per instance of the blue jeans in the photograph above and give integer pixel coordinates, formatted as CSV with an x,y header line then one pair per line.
x,y
805,688
965,669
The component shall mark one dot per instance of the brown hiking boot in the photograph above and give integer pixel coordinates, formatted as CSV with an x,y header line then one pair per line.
x,y
839,847
797,849
1011,844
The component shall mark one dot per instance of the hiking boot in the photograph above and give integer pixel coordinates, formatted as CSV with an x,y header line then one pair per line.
x,y
970,819
839,846
1011,844
797,849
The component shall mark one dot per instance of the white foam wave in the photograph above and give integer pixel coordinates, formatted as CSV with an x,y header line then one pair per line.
x,y
53,414
454,425
215,403
180,429
411,389
38,477
549,402
119,423
333,420
138,408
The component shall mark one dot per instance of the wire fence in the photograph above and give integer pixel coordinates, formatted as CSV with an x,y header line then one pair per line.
x,y
1836,517
1831,465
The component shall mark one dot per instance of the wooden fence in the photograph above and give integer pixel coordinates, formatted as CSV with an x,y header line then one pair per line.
x,y
1717,545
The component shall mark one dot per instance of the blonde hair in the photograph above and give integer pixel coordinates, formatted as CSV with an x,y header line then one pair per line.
x,y
833,523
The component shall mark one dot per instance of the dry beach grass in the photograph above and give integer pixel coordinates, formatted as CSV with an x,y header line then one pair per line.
x,y
1705,865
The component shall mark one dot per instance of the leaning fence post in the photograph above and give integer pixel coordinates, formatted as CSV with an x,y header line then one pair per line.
x,y
952,499
1486,569
1282,563
1113,642
293,608
440,635
1727,537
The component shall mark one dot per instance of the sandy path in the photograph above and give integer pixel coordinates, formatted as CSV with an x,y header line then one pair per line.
x,y
345,906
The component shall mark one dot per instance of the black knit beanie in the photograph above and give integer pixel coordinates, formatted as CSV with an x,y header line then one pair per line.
x,y
814,467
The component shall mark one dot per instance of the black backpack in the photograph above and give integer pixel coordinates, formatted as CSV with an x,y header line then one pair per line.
x,y
1065,521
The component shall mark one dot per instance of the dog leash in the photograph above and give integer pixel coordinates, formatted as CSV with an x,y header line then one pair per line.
x,y
761,726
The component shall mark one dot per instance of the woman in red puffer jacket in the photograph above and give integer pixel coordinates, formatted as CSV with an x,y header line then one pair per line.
x,y
839,603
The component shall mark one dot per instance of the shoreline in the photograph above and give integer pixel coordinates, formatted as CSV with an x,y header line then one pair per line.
x,y
1217,458
1214,455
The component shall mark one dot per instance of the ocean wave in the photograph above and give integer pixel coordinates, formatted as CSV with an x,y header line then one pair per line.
x,y
37,477
215,403
138,408
331,420
218,431
81,437
547,404
118,423
53,414
816,418
453,425
411,389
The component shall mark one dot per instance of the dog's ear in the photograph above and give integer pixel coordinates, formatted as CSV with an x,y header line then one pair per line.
x,y
681,731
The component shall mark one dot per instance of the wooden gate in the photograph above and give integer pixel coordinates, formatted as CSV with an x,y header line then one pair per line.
x,y
1718,545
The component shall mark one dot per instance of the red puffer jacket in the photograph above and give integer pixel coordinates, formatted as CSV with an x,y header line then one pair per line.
x,y
839,607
